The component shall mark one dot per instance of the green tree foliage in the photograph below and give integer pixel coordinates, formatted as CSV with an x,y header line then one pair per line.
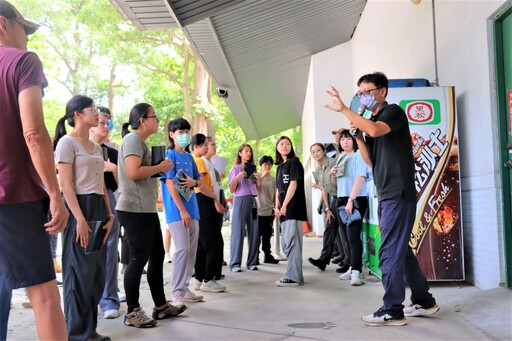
x,y
88,48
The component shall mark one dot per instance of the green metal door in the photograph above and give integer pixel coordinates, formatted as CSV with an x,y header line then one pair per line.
x,y
503,53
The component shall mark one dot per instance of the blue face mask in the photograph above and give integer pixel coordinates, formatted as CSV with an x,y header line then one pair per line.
x,y
369,101
183,140
110,125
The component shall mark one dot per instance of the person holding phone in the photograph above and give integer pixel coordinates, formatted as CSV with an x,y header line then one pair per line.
x,y
136,209
80,166
245,214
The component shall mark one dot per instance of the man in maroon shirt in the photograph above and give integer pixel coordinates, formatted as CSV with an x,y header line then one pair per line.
x,y
28,185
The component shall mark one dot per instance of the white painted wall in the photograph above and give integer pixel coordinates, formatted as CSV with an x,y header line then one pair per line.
x,y
396,37
318,123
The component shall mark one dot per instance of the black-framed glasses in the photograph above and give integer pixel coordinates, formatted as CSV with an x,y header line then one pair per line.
x,y
156,118
367,92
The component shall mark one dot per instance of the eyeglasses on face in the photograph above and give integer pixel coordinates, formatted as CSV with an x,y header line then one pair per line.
x,y
154,116
94,109
367,92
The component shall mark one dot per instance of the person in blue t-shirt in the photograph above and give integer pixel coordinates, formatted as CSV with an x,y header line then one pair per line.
x,y
181,210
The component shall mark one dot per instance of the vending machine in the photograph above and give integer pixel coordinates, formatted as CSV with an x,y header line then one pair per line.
x,y
436,238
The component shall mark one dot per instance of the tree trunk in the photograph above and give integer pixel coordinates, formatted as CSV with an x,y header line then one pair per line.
x,y
202,123
111,92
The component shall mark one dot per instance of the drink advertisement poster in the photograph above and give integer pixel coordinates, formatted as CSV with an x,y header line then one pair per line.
x,y
437,233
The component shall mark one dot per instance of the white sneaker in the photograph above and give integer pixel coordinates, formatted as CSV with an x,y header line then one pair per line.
x,y
355,278
122,296
197,284
212,286
346,275
111,314
382,318
236,269
177,300
418,310
191,297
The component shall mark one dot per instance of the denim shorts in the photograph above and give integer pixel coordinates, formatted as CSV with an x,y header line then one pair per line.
x,y
25,254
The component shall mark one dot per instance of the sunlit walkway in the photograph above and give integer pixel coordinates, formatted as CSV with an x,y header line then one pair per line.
x,y
325,308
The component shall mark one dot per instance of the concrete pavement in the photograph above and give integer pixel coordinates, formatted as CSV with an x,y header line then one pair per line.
x,y
325,308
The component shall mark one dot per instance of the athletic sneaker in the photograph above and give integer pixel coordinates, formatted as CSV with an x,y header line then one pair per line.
x,y
168,310
418,310
111,314
138,318
382,318
253,268
236,269
346,275
191,297
197,284
212,286
285,282
355,278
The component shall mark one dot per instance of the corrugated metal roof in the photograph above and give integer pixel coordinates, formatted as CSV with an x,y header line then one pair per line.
x,y
258,50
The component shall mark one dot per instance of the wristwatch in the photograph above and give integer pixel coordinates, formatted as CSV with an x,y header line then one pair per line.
x,y
197,184
350,199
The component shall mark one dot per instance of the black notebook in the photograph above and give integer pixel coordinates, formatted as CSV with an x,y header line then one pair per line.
x,y
157,156
249,168
96,236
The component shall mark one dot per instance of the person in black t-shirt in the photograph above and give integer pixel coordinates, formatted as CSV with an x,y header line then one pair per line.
x,y
388,150
290,209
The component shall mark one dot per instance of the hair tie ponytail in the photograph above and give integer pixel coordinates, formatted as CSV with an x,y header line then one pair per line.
x,y
125,130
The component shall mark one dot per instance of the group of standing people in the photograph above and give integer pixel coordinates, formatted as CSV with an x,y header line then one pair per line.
x,y
343,182
282,197
193,203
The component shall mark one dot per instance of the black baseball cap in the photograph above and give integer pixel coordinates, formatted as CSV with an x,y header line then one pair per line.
x,y
10,12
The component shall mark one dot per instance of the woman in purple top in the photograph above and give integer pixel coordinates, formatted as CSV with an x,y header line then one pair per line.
x,y
243,185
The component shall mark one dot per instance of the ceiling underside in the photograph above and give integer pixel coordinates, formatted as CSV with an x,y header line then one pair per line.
x,y
257,50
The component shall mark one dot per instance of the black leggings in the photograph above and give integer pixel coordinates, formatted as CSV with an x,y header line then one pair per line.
x,y
144,236
353,232
210,244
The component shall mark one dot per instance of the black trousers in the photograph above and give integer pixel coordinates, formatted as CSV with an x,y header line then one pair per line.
x,y
220,220
209,247
353,233
330,233
125,249
144,236
265,229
